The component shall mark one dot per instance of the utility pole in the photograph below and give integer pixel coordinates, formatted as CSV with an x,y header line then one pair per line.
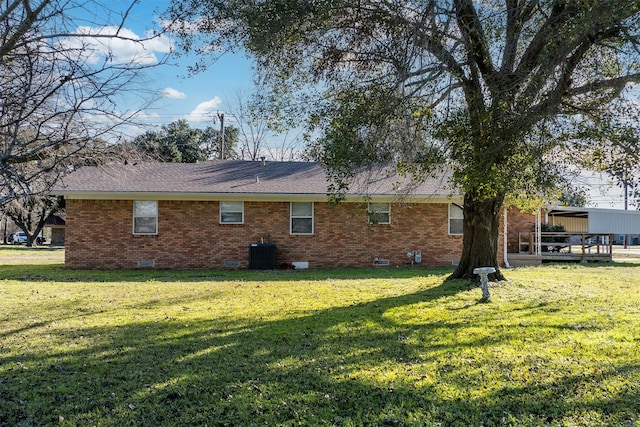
x,y
221,118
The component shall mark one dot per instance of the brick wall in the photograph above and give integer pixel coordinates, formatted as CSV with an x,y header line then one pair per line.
x,y
99,235
517,222
57,236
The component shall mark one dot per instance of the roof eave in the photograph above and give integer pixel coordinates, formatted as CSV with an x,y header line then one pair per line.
x,y
257,197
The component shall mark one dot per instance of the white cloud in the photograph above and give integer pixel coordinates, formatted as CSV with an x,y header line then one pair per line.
x,y
144,116
172,93
205,111
118,45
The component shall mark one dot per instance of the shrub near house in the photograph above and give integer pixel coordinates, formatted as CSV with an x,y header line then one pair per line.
x,y
554,243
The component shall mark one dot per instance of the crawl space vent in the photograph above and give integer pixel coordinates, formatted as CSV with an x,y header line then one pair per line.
x,y
146,263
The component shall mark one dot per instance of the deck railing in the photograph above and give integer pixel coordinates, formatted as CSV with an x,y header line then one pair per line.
x,y
574,246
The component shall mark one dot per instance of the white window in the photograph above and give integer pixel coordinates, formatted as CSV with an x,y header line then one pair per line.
x,y
456,218
379,213
231,212
301,217
145,217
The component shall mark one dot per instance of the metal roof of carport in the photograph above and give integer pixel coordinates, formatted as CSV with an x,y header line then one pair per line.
x,y
614,221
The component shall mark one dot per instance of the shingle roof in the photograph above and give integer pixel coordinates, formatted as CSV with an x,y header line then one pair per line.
x,y
226,177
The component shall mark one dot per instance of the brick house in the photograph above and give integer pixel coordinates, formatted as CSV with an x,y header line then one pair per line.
x,y
220,214
56,226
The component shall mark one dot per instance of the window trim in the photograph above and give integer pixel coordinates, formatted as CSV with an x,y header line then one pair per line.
x,y
312,217
133,225
450,218
371,213
231,222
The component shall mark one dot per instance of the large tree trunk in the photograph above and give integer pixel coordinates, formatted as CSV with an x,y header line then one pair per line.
x,y
480,241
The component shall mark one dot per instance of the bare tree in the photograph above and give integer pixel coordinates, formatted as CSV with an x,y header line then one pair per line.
x,y
61,86
285,146
252,131
31,213
260,132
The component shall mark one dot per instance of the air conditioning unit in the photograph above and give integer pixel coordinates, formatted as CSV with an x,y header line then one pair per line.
x,y
262,256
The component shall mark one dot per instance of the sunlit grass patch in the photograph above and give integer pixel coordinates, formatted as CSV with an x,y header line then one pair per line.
x,y
557,345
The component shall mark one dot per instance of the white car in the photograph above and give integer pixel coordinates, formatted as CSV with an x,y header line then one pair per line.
x,y
20,238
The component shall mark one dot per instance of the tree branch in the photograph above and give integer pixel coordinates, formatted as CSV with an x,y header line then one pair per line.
x,y
474,37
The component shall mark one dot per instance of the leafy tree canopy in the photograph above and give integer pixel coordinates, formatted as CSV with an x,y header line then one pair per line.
x,y
507,93
178,142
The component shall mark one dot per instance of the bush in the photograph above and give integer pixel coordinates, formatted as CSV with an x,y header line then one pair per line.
x,y
552,239
552,228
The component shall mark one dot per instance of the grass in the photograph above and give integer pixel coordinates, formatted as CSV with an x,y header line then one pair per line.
x,y
557,346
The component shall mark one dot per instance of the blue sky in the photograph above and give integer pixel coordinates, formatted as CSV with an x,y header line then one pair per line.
x,y
196,98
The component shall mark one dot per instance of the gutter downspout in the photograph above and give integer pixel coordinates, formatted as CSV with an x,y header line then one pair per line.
x,y
538,245
504,239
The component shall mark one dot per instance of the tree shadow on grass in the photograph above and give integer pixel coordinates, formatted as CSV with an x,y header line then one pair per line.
x,y
373,363
57,272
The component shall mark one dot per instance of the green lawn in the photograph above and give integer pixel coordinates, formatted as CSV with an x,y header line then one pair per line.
x,y
557,346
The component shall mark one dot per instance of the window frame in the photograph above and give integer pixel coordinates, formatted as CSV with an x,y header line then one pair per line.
x,y
452,218
231,211
292,217
135,217
372,213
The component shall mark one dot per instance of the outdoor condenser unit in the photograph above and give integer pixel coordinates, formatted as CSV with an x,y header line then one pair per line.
x,y
262,256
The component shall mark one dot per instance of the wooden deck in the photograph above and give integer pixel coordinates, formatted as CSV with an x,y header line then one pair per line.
x,y
563,247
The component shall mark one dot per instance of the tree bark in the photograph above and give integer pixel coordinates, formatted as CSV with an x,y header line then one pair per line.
x,y
481,228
